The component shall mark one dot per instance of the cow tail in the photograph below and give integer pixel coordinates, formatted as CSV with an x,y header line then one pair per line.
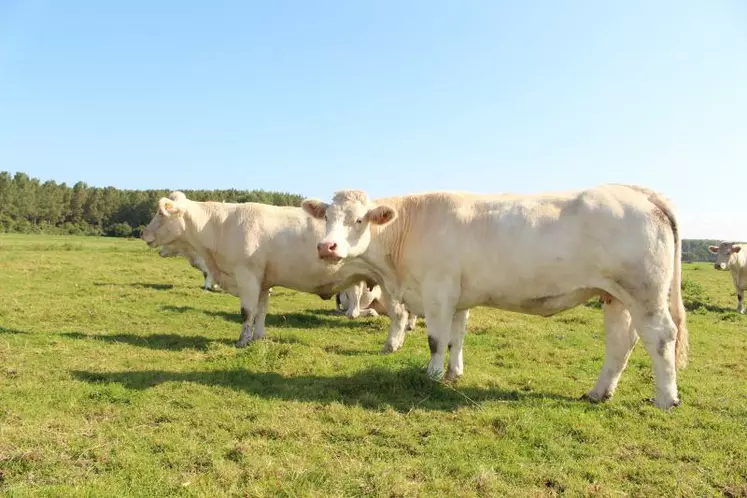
x,y
676,305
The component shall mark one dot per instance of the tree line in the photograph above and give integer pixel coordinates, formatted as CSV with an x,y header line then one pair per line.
x,y
697,250
29,206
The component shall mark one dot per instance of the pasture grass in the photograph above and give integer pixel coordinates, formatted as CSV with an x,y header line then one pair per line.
x,y
118,377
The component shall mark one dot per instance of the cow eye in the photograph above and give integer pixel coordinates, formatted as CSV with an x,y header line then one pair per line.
x,y
359,220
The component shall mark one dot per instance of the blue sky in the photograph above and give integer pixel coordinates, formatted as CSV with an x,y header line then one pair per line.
x,y
387,96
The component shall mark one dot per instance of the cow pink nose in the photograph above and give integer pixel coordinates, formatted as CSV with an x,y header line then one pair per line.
x,y
326,248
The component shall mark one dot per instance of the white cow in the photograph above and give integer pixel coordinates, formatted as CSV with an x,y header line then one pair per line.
x,y
251,247
730,256
174,250
443,253
358,300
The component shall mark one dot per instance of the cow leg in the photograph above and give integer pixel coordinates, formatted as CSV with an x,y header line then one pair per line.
x,y
259,320
212,285
658,332
621,338
458,331
439,320
398,315
439,334
354,300
740,301
249,291
412,321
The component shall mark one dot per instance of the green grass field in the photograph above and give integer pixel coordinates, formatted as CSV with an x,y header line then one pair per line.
x,y
118,377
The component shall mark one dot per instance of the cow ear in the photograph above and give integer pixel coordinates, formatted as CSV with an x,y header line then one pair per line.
x,y
713,249
177,196
169,207
736,249
315,208
381,215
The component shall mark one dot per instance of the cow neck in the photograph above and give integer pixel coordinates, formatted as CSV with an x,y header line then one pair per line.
x,y
739,260
197,219
389,240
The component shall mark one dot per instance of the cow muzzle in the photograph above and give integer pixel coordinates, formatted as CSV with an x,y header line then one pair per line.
x,y
328,251
149,239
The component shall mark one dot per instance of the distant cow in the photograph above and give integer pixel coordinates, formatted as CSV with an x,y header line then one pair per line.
x,y
444,253
173,250
368,303
358,300
251,247
730,256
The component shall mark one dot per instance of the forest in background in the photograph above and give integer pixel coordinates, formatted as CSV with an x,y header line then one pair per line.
x,y
29,206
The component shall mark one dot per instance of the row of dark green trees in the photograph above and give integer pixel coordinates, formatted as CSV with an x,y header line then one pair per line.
x,y
28,205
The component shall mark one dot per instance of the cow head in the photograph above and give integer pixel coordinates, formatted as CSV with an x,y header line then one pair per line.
x,y
168,223
349,219
724,253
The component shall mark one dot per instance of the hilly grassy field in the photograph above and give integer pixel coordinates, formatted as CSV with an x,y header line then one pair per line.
x,y
118,377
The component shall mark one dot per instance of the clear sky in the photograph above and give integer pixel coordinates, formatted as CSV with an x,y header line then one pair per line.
x,y
390,96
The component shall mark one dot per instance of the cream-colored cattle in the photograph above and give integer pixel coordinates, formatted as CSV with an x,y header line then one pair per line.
x,y
731,256
251,247
358,300
443,253
174,250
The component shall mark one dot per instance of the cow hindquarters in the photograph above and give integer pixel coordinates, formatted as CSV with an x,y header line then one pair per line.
x,y
621,337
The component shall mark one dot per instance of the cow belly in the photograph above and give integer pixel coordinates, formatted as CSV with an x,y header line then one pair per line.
x,y
547,305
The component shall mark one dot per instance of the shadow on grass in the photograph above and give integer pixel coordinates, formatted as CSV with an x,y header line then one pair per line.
x,y
343,351
304,320
5,330
143,285
172,342
690,305
695,304
374,388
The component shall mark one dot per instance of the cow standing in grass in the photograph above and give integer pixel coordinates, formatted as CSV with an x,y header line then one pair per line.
x,y
730,256
197,262
251,247
443,253
360,300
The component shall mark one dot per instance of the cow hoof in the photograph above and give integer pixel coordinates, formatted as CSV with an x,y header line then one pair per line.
x,y
594,399
665,405
388,348
241,344
588,397
452,375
